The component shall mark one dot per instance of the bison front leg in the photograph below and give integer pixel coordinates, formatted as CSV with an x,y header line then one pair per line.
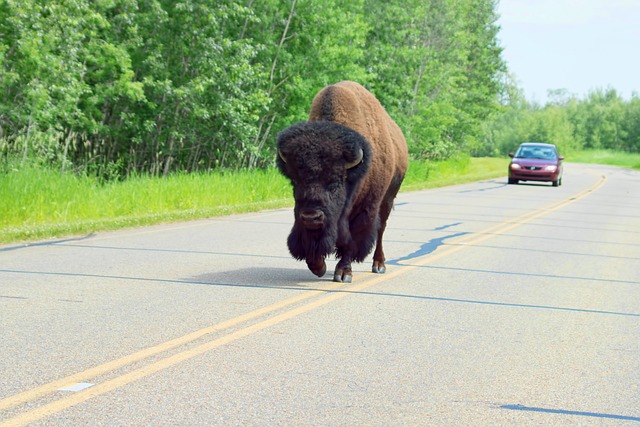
x,y
317,266
355,243
345,250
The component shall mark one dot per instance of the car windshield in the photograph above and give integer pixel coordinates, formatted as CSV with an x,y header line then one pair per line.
x,y
532,152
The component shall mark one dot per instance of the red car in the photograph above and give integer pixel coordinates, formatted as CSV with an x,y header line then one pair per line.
x,y
536,161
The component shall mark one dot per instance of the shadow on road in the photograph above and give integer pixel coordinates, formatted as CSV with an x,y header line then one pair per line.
x,y
48,243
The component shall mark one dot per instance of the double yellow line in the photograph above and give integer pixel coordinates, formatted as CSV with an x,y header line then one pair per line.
x,y
293,308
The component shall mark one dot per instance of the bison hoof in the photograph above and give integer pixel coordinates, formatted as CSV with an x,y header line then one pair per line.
x,y
342,275
342,279
318,268
378,268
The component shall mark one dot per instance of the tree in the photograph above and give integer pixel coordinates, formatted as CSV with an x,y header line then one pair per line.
x,y
59,69
308,44
631,125
603,120
122,86
438,71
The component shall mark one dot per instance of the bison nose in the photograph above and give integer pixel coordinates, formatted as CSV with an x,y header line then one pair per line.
x,y
312,218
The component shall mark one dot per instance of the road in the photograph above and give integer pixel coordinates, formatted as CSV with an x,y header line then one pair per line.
x,y
503,305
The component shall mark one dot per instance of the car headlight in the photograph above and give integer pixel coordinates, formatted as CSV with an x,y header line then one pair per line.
x,y
515,166
551,168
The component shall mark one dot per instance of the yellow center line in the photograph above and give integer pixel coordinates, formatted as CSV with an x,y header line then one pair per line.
x,y
334,294
42,390
526,217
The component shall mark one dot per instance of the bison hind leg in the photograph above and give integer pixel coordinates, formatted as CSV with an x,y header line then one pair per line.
x,y
385,209
378,267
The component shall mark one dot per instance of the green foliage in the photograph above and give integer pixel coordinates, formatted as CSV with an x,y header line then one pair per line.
x,y
602,120
437,70
308,44
112,88
631,125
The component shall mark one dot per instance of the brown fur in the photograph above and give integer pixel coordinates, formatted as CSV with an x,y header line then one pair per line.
x,y
353,106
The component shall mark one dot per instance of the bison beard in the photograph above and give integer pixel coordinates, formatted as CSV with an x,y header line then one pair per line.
x,y
312,246
343,193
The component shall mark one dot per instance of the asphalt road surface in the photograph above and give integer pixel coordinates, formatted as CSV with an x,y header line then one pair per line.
x,y
502,305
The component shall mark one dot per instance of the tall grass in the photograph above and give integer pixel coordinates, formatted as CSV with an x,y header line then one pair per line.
x,y
41,202
422,174
608,157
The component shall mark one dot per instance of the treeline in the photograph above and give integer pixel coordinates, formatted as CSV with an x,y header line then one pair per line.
x,y
600,120
155,86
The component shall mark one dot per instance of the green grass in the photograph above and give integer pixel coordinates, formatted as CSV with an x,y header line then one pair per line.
x,y
607,157
41,203
423,175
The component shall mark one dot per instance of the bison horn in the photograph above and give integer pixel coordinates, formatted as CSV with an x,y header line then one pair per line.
x,y
282,156
357,161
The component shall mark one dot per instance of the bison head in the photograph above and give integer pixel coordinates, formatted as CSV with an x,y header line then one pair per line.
x,y
325,162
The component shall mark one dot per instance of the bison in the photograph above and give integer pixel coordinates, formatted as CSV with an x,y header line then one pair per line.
x,y
346,165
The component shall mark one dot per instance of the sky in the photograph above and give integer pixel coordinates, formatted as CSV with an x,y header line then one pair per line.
x,y
576,45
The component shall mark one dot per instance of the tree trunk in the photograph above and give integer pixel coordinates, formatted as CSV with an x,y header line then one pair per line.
x,y
26,140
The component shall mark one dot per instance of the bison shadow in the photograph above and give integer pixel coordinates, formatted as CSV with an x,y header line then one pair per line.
x,y
261,277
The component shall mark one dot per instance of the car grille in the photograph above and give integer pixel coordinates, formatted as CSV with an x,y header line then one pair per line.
x,y
533,168
537,176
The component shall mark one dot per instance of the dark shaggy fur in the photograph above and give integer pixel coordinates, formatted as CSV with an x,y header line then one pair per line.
x,y
342,201
317,153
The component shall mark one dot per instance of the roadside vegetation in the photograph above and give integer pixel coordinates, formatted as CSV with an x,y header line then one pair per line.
x,y
42,202
607,157
602,121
